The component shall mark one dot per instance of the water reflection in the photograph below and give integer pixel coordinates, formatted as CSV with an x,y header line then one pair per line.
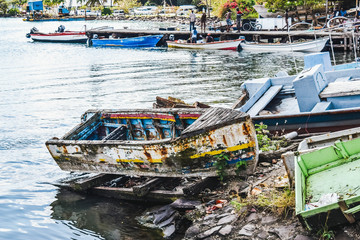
x,y
111,219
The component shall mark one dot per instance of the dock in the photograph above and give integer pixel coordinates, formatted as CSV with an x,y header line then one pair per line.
x,y
341,40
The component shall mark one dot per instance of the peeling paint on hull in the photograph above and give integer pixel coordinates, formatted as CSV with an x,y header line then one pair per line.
x,y
190,154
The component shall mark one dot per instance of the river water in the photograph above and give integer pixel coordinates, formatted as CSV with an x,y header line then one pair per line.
x,y
45,87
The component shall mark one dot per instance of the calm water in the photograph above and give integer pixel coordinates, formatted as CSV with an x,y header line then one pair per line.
x,y
44,89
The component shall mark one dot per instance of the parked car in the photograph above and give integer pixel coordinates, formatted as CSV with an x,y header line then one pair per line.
x,y
88,13
185,9
118,12
146,10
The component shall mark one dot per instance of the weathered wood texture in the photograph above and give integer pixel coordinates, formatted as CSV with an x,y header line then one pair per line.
x,y
215,117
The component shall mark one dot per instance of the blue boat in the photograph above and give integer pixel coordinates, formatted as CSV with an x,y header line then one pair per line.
x,y
143,41
321,98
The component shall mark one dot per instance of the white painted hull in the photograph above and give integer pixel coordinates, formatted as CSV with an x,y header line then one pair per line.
x,y
60,37
221,45
310,46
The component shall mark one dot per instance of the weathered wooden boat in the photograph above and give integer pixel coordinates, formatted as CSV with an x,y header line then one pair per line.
x,y
322,98
59,36
159,142
217,45
140,189
307,46
327,185
176,103
143,41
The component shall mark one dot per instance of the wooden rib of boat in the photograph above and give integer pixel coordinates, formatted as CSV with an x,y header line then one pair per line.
x,y
143,41
63,36
159,142
218,45
319,99
308,46
326,185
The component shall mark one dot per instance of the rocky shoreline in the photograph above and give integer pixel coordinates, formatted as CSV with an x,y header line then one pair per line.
x,y
241,209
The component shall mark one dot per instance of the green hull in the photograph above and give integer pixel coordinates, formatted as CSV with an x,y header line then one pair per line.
x,y
332,170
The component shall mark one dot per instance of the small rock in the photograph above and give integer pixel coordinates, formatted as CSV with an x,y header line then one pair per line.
x,y
285,232
247,230
253,217
184,204
302,237
274,161
169,231
223,215
209,232
192,231
227,219
265,164
210,216
263,235
225,230
268,220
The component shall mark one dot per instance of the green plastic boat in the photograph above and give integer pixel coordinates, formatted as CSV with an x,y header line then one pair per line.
x,y
327,185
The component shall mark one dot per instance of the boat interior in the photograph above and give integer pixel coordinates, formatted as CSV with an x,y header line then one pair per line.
x,y
318,88
132,125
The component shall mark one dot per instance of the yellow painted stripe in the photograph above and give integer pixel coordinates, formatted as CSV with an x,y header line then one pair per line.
x,y
229,149
102,160
138,160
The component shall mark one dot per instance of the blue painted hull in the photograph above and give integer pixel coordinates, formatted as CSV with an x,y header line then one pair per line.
x,y
145,41
57,19
331,120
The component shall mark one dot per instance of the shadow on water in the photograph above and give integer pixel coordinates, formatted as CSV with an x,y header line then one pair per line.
x,y
109,218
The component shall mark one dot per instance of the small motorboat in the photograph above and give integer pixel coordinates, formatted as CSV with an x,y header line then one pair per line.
x,y
143,41
307,46
165,142
321,98
217,45
60,35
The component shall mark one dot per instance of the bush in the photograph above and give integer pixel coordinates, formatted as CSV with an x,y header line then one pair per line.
x,y
106,11
13,11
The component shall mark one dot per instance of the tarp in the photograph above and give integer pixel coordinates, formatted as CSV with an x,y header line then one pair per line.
x,y
35,5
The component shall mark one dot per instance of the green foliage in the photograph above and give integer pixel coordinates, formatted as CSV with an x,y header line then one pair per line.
x,y
221,164
282,5
220,7
106,11
127,4
13,11
325,234
18,2
264,141
3,6
53,2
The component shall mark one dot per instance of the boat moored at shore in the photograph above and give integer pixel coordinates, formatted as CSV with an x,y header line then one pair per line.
x,y
159,142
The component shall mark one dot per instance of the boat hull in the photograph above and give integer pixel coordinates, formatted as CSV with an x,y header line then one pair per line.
x,y
307,122
331,170
221,45
66,37
310,46
145,41
194,154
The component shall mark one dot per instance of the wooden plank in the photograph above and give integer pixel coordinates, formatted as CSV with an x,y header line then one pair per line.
x,y
339,89
321,106
343,208
143,189
197,187
264,100
256,96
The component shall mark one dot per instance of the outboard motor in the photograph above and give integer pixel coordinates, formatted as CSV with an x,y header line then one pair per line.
x,y
61,29
34,30
172,37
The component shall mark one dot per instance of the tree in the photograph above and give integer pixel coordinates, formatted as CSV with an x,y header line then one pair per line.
x,y
53,2
18,2
221,6
127,4
3,6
